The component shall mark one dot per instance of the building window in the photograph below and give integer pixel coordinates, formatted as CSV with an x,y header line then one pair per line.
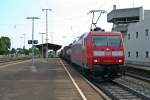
x,y
137,34
147,54
128,36
146,32
129,54
137,54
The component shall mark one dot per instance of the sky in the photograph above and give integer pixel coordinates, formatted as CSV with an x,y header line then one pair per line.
x,y
67,20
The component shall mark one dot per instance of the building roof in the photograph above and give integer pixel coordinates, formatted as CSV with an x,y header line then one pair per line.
x,y
51,46
127,15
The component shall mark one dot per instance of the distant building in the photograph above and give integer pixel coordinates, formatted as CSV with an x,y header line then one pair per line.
x,y
134,23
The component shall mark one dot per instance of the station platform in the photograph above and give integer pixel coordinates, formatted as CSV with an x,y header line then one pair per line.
x,y
46,80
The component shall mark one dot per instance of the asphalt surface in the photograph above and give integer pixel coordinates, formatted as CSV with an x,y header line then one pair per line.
x,y
46,80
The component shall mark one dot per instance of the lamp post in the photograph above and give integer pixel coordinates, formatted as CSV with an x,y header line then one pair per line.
x,y
24,39
42,43
33,18
46,31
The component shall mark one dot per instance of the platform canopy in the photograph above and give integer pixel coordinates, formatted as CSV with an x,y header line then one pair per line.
x,y
54,47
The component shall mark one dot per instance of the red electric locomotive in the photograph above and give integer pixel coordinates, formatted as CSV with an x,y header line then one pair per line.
x,y
101,53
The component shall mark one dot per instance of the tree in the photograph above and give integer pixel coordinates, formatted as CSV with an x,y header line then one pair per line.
x,y
36,51
13,51
6,41
25,51
4,45
19,51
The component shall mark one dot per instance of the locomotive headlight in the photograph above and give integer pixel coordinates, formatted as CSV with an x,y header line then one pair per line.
x,y
99,53
117,53
119,60
96,60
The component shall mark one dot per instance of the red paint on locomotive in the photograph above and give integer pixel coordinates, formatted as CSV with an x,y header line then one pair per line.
x,y
98,48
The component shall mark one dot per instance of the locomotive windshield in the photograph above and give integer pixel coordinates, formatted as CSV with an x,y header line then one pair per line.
x,y
106,40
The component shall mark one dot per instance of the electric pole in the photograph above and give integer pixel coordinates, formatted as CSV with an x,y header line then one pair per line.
x,y
33,18
46,31
42,44
24,39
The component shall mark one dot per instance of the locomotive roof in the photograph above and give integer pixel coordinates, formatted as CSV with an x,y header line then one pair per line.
x,y
103,33
100,33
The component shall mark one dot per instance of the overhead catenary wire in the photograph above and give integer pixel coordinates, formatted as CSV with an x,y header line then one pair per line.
x,y
92,6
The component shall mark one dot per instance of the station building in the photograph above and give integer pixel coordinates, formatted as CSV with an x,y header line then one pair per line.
x,y
134,23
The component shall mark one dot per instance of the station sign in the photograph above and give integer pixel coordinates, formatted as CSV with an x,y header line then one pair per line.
x,y
34,41
29,41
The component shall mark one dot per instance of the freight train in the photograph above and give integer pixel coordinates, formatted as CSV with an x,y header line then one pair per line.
x,y
98,53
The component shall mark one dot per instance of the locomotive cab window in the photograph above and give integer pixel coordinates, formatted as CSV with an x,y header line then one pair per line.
x,y
114,41
106,40
99,40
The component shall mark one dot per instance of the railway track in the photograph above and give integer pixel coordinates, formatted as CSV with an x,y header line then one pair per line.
x,y
131,87
138,77
138,72
138,85
118,91
124,88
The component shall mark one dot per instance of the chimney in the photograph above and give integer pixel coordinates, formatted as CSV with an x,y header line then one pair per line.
x,y
114,7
